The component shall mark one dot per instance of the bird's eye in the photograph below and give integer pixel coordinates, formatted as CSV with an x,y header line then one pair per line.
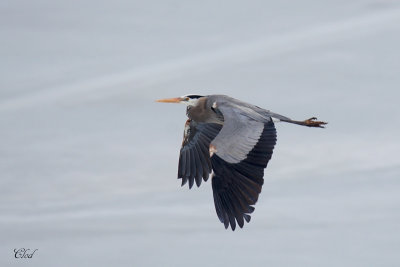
x,y
186,98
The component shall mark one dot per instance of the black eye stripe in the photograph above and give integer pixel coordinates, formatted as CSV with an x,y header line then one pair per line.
x,y
194,96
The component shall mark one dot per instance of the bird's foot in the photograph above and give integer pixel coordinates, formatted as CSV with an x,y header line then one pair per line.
x,y
312,122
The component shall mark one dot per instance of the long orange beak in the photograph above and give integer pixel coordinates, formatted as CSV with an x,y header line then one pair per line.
x,y
170,100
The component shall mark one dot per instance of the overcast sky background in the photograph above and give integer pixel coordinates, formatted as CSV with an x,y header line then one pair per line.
x,y
88,160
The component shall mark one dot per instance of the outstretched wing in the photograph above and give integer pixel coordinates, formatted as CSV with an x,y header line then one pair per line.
x,y
243,148
194,159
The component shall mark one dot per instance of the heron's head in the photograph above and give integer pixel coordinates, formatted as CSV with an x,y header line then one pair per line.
x,y
189,100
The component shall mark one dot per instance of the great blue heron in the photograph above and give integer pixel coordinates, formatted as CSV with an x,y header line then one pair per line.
x,y
234,140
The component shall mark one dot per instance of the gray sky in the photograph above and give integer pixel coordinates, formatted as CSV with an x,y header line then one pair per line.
x,y
88,159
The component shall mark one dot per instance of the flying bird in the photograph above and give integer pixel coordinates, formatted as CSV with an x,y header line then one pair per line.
x,y
234,141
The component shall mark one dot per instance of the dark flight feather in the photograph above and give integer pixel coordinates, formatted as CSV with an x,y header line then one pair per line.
x,y
194,160
236,186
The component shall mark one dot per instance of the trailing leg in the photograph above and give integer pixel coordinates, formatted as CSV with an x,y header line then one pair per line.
x,y
311,122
